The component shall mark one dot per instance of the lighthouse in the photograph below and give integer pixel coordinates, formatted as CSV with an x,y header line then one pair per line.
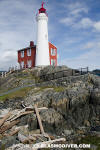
x,y
42,46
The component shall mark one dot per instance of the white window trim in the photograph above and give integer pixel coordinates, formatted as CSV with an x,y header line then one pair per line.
x,y
53,51
22,64
29,52
22,54
53,62
29,63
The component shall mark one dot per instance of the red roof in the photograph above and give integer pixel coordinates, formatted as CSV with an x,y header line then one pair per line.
x,y
42,9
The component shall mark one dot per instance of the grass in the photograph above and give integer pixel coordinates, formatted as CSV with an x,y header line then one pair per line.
x,y
19,93
23,92
40,89
59,89
56,89
3,147
92,140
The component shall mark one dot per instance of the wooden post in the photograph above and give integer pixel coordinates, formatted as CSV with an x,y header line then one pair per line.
x,y
5,118
39,119
10,69
2,74
5,74
14,68
37,145
8,126
81,71
87,69
72,72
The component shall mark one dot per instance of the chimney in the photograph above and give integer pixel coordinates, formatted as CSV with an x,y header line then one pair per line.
x,y
31,43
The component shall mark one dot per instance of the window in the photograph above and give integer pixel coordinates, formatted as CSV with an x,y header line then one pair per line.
x,y
53,52
29,52
29,63
22,64
53,62
22,53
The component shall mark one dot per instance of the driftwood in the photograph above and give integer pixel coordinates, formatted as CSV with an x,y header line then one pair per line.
x,y
43,135
39,119
22,114
8,126
47,142
14,132
40,139
40,122
32,109
25,140
4,118
22,138
52,137
42,108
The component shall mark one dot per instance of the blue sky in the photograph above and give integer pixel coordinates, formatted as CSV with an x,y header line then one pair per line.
x,y
74,27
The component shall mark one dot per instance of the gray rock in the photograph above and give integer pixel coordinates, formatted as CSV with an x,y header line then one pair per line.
x,y
20,147
29,120
9,141
95,96
68,132
52,120
93,147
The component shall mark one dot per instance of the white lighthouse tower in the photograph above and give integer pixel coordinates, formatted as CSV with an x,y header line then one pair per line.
x,y
42,47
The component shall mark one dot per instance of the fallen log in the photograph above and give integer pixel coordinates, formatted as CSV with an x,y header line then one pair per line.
x,y
32,109
37,145
52,137
22,114
46,135
39,119
42,108
37,131
25,140
14,132
4,118
8,126
25,111
43,135
41,139
22,138
40,122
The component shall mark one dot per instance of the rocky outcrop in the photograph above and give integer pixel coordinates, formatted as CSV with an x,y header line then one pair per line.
x,y
95,97
53,121
73,105
52,69
78,102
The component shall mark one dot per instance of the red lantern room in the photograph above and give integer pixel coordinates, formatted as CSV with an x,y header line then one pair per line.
x,y
42,9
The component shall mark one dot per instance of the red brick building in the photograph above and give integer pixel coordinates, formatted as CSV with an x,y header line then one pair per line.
x,y
26,56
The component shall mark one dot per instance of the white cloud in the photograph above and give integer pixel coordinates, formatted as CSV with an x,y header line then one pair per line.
x,y
86,23
67,21
93,45
88,59
89,45
75,18
97,26
17,28
74,15
77,11
77,8
83,23
8,59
